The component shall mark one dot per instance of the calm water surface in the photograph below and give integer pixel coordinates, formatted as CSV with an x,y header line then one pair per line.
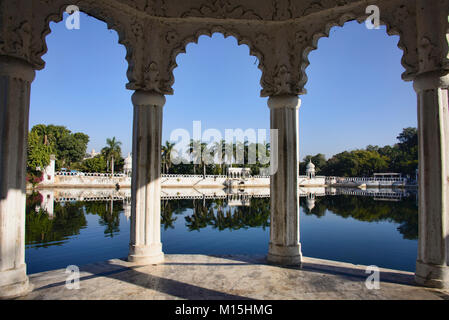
x,y
356,229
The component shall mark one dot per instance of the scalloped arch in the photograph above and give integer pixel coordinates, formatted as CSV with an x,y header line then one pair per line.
x,y
58,15
410,70
226,32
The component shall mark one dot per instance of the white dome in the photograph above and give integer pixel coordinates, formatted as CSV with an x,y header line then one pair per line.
x,y
310,165
128,159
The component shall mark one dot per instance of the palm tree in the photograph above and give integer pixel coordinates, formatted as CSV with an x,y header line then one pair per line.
x,y
166,155
229,148
197,149
112,151
220,148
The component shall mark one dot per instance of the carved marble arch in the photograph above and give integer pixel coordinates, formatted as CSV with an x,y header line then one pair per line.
x,y
176,41
54,12
399,19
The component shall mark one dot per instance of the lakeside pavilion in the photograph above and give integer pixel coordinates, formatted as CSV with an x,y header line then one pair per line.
x,y
280,34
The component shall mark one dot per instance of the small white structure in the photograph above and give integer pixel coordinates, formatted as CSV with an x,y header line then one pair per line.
x,y
49,171
128,167
48,201
310,179
310,170
239,173
91,155
127,207
310,201
239,200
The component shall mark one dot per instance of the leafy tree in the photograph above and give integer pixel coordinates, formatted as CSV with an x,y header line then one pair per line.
x,y
93,165
38,152
44,140
71,148
408,139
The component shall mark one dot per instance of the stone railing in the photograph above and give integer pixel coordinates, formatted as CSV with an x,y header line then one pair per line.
x,y
85,174
369,179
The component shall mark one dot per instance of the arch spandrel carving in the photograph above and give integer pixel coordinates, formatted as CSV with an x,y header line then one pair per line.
x,y
279,33
263,10
399,17
25,25
167,40
433,36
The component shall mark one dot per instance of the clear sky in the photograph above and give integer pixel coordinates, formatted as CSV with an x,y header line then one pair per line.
x,y
355,93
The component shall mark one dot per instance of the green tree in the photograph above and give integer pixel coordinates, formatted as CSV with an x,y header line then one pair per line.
x,y
112,152
167,150
38,152
68,147
197,149
97,164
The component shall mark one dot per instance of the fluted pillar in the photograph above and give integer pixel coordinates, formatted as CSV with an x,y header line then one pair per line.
x,y
145,242
432,267
285,248
15,82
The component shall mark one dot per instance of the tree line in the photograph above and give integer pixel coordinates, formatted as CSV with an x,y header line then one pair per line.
x,y
70,151
402,157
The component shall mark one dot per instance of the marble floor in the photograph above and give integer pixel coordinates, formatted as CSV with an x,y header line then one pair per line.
x,y
206,277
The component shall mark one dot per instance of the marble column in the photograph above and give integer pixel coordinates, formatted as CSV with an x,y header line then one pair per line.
x,y
433,134
145,243
285,248
15,82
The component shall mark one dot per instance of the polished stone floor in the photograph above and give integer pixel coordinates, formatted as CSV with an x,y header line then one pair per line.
x,y
227,278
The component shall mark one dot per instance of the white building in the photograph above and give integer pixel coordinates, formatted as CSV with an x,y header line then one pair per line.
x,y
310,170
49,171
239,173
91,155
128,167
310,179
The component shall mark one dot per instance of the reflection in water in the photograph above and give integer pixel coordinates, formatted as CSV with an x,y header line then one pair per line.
x,y
404,213
109,213
43,230
217,214
82,226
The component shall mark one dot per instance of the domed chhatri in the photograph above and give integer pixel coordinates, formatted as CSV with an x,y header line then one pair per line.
x,y
127,168
310,170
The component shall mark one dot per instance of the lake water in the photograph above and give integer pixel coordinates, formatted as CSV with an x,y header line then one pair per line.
x,y
369,229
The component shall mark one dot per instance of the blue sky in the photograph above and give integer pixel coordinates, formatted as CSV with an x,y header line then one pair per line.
x,y
355,93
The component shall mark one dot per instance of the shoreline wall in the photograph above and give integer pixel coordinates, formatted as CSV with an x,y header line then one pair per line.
x,y
198,181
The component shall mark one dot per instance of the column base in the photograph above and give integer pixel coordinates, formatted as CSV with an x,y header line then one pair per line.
x,y
284,256
14,283
145,255
434,276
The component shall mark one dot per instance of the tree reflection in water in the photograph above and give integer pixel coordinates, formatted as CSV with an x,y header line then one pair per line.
x,y
44,231
69,218
218,215
404,212
109,212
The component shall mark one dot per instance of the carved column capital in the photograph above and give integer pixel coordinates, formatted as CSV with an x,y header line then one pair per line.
x,y
146,98
16,68
431,80
284,101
